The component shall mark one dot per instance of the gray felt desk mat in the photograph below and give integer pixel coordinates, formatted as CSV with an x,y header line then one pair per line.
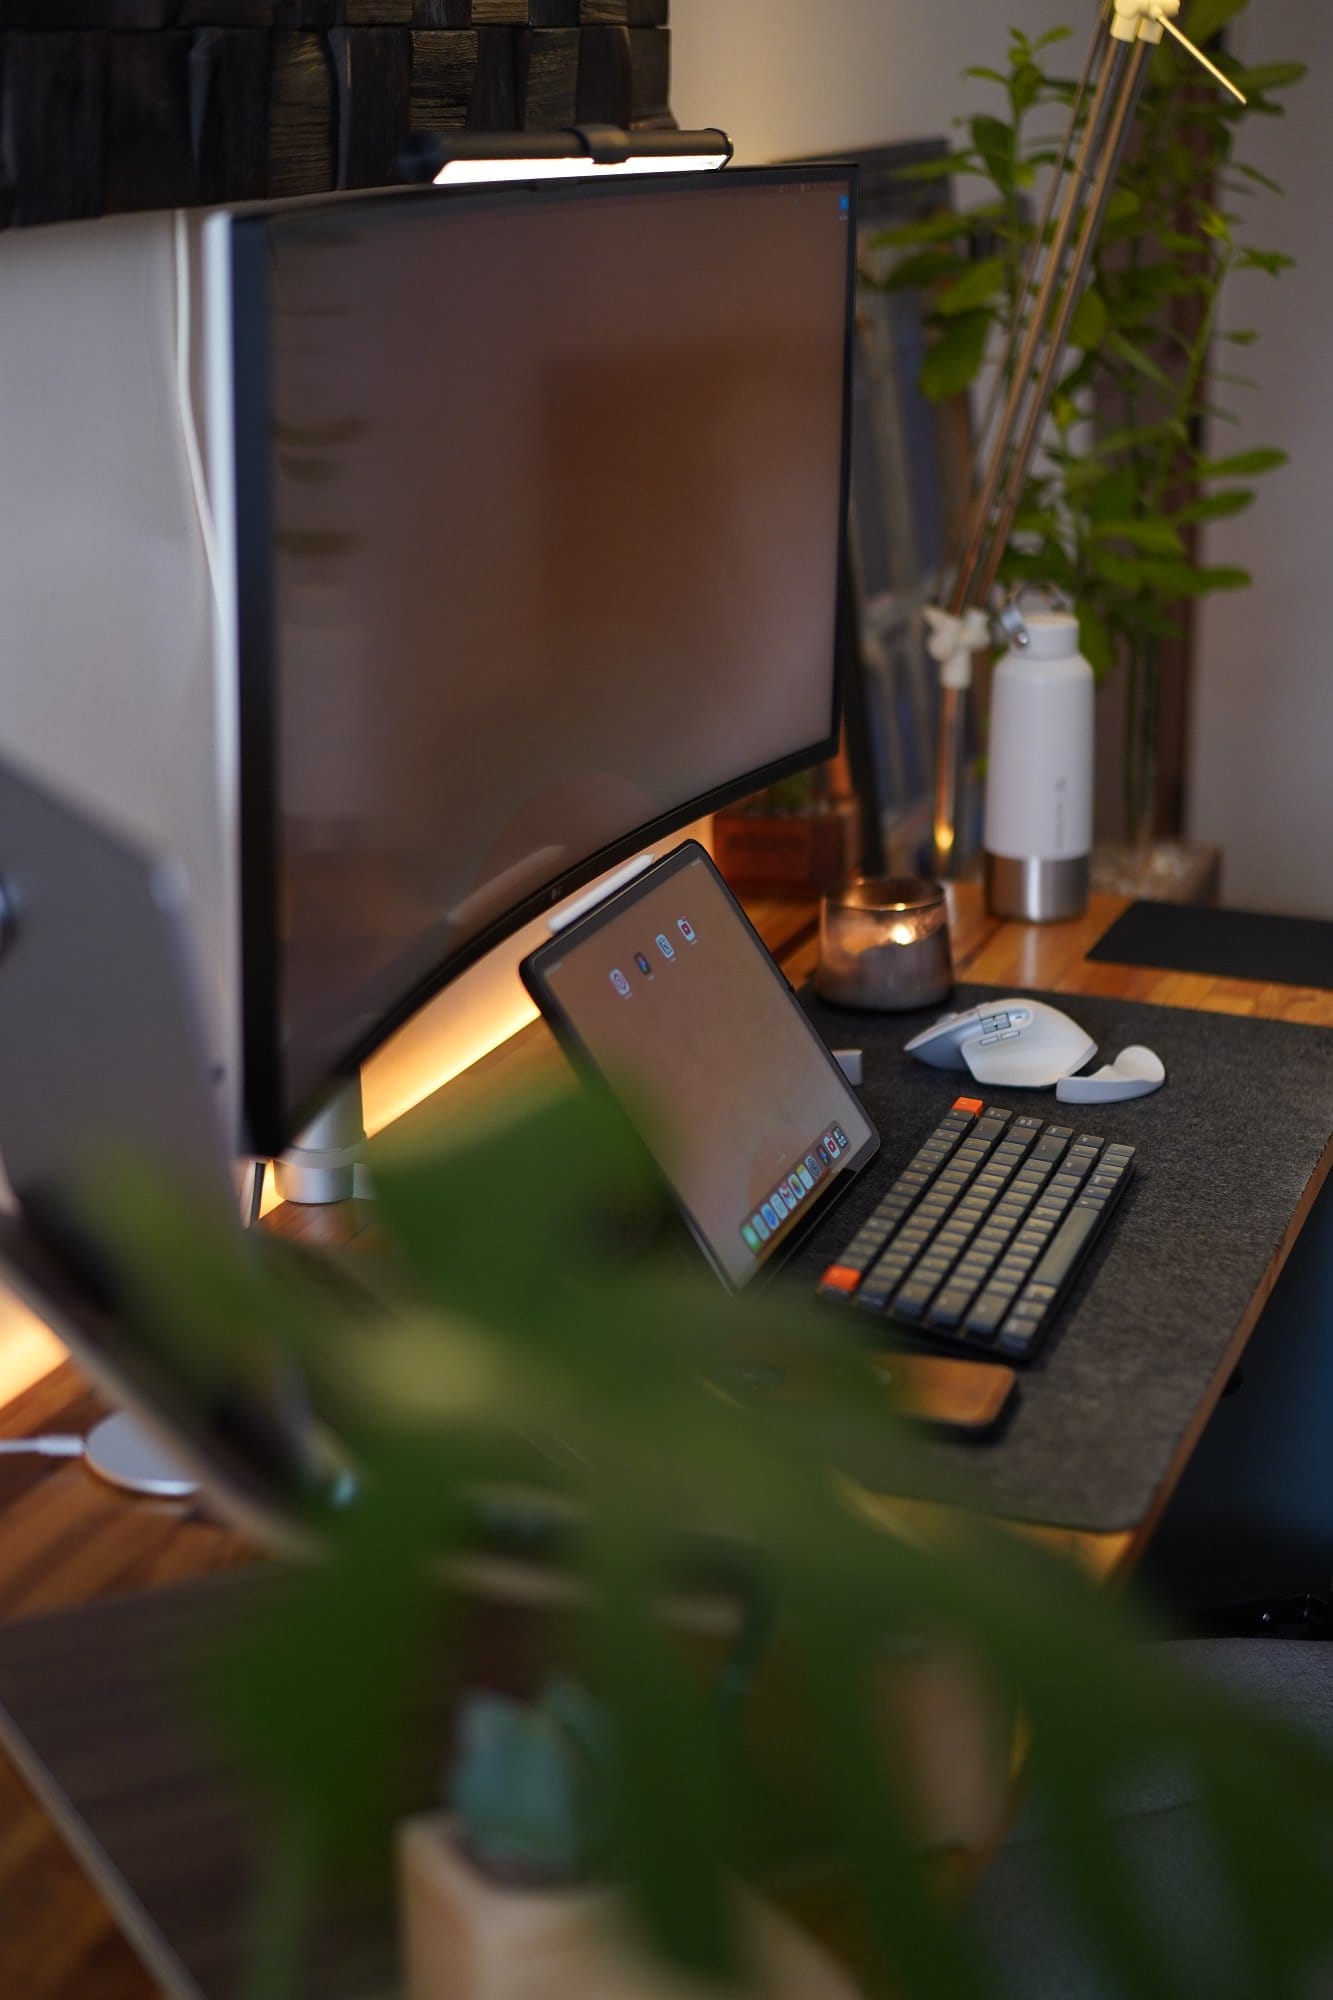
x,y
1226,1150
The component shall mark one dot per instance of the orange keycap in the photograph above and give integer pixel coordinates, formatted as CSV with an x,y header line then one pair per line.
x,y
967,1104
838,1278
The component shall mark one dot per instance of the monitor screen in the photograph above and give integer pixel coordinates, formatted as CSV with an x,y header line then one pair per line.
x,y
540,508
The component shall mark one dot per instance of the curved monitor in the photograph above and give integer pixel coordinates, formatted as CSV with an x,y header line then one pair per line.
x,y
539,504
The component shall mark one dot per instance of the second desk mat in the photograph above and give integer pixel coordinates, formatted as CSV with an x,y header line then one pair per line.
x,y
1226,1151
1225,944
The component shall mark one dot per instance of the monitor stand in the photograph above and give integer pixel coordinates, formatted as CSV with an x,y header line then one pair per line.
x,y
321,1166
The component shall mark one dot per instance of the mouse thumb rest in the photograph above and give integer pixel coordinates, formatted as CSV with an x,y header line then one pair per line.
x,y
1030,1045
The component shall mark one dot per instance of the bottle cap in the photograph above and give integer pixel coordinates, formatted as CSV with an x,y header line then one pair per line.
x,y
1052,635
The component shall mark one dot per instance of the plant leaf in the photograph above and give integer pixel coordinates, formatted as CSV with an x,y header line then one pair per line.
x,y
1134,357
920,269
953,362
1215,506
1153,537
1207,18
1241,464
977,287
1274,262
994,140
1263,77
1091,321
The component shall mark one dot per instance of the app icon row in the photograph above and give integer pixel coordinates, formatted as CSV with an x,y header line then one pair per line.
x,y
645,964
792,1190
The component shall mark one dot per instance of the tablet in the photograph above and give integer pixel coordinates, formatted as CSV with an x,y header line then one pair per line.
x,y
667,992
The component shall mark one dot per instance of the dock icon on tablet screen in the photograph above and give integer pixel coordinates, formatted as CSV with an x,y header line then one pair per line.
x,y
621,984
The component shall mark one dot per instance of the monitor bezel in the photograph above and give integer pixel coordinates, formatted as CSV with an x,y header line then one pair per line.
x,y
273,1117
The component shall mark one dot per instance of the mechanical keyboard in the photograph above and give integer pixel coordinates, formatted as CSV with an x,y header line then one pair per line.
x,y
978,1240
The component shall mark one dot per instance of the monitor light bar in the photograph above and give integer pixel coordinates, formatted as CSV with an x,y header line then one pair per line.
x,y
457,159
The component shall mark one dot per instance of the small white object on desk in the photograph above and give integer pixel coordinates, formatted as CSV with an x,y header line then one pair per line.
x,y
1136,1072
849,1062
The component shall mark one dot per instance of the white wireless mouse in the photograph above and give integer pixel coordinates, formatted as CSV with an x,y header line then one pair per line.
x,y
1136,1072
1024,1043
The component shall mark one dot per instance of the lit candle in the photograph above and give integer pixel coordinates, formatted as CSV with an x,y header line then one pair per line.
x,y
884,943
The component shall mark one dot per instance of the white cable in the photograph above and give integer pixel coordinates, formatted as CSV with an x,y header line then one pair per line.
x,y
185,406
44,1447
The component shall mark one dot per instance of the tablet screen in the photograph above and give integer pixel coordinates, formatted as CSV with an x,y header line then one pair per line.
x,y
669,994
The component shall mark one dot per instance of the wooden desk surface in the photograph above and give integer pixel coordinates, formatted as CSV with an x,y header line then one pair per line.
x,y
64,1539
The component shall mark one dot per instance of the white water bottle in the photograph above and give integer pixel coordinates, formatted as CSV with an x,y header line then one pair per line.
x,y
1038,833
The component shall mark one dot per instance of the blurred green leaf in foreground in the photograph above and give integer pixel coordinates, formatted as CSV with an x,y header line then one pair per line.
x,y
551,1338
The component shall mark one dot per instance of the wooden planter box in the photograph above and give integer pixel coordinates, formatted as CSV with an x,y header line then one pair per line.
x,y
468,1938
789,853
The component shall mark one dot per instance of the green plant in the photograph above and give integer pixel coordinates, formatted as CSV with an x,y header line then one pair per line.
x,y
692,1440
1126,477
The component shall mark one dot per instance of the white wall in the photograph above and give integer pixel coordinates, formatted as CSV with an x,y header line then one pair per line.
x,y
789,77
1261,774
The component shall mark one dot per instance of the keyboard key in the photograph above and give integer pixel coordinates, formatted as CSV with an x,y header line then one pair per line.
x,y
1048,1148
842,1277
986,1316
1070,1240
948,1309
912,1300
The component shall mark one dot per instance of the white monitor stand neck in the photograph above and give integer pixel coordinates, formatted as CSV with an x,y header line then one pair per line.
x,y
321,1166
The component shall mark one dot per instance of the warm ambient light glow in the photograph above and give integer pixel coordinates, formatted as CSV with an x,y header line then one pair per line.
x,y
390,1087
457,173
28,1349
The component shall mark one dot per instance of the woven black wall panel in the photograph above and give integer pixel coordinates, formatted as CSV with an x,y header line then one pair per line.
x,y
109,105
